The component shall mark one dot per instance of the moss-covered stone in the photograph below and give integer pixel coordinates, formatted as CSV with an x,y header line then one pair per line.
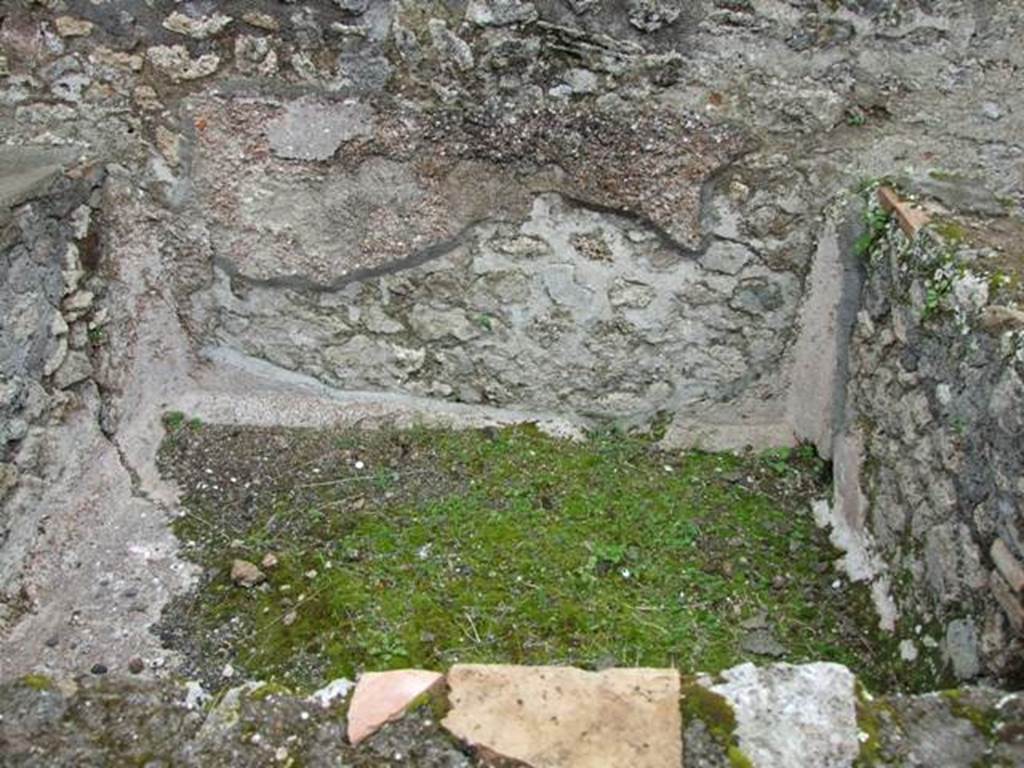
x,y
984,718
267,690
700,703
870,724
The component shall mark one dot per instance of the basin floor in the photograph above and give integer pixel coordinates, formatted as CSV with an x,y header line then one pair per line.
x,y
329,552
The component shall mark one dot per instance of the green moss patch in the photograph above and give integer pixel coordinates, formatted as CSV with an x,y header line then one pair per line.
x,y
699,703
950,230
869,722
718,716
38,682
984,718
429,547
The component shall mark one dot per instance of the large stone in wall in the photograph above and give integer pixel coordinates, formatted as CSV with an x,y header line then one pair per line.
x,y
560,717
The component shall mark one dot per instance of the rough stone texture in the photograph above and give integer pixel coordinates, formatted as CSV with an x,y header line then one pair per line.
x,y
793,715
560,717
934,415
246,574
88,558
311,131
499,13
45,213
40,258
418,179
966,727
198,27
119,722
955,729
174,62
565,311
1008,565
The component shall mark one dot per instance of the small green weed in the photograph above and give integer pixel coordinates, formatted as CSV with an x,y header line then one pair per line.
x,y
936,290
876,221
940,175
950,231
173,420
97,336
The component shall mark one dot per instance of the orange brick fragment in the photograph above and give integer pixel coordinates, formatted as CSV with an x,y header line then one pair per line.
x,y
910,219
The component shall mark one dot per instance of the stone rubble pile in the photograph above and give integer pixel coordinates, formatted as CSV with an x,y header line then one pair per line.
x,y
780,716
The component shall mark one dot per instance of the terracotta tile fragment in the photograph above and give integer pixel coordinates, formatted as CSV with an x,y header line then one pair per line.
x,y
383,696
910,219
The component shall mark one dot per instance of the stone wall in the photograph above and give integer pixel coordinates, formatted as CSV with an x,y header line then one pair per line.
x,y
568,311
530,258
48,239
306,154
930,462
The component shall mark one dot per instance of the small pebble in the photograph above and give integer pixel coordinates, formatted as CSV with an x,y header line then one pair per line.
x,y
51,642
245,574
991,110
99,669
